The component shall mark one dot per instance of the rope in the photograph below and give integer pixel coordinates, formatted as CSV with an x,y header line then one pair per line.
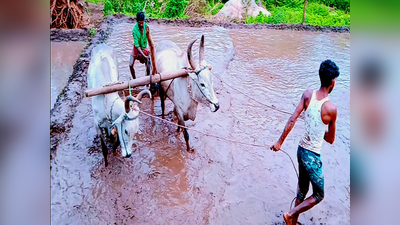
x,y
219,137
294,167
268,106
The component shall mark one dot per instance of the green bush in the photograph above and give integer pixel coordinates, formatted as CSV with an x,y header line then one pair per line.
x,y
343,5
216,8
317,9
175,8
108,9
92,31
271,4
338,4
131,7
317,14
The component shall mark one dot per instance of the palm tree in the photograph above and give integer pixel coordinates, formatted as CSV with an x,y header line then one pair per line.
x,y
304,14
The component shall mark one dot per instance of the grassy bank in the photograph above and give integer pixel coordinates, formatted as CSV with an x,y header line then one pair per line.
x,y
319,12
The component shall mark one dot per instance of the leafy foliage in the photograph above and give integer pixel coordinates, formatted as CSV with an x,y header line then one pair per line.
x,y
317,14
175,8
216,8
92,31
130,7
343,5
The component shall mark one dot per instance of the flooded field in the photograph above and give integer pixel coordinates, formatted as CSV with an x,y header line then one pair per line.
x,y
220,182
63,58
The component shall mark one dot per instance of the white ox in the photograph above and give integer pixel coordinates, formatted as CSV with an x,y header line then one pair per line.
x,y
185,92
111,113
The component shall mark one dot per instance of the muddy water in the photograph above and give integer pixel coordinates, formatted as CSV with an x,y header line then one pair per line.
x,y
221,182
63,58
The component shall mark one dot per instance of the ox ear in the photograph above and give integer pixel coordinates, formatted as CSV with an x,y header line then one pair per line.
x,y
119,119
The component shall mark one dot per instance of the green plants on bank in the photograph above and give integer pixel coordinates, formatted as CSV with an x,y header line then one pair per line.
x,y
96,1
214,10
317,14
92,31
343,5
175,8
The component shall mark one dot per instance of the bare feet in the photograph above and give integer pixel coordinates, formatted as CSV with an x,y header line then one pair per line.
x,y
287,219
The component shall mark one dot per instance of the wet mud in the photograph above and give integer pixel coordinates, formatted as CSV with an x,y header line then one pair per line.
x,y
58,35
220,182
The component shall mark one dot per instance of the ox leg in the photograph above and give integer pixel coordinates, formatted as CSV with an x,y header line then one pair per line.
x,y
103,145
185,132
162,98
116,144
176,114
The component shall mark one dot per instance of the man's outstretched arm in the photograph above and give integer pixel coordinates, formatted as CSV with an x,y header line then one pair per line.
x,y
290,123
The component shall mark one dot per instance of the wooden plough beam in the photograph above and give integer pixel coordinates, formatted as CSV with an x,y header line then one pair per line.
x,y
137,82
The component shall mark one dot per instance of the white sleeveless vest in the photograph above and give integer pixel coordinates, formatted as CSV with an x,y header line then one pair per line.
x,y
315,128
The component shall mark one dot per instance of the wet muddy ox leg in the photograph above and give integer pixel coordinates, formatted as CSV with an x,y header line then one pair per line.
x,y
162,99
103,144
116,144
185,132
176,114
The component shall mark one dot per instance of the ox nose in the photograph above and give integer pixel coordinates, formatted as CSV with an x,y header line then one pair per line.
x,y
216,107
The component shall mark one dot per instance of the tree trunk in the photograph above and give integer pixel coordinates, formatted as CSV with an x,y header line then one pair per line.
x,y
304,14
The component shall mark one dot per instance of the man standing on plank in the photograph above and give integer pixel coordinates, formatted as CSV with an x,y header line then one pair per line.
x,y
140,51
320,113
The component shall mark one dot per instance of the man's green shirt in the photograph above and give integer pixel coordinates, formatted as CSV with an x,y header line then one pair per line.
x,y
139,39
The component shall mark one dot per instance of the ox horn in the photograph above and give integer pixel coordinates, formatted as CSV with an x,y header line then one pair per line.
x,y
130,99
201,50
140,95
189,55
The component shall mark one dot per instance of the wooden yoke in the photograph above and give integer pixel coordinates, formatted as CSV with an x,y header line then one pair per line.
x,y
137,82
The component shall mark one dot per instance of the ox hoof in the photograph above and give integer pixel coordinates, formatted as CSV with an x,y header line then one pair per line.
x,y
128,155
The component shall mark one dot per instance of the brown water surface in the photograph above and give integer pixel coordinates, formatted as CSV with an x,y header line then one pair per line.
x,y
221,182
63,58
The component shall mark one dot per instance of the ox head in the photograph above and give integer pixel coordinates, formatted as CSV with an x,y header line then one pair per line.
x,y
127,124
203,90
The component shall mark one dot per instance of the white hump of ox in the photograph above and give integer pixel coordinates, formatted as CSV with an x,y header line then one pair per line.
x,y
113,115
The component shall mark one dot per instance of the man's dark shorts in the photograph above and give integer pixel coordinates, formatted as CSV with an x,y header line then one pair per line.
x,y
310,170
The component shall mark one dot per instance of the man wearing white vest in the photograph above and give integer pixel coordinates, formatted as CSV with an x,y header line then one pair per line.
x,y
320,113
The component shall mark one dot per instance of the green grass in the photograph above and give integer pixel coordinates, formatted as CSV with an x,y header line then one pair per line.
x,y
99,2
317,14
214,10
92,31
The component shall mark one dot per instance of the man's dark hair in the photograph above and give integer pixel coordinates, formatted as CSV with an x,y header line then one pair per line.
x,y
140,16
327,72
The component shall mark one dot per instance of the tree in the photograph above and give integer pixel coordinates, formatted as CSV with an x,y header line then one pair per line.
x,y
304,14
